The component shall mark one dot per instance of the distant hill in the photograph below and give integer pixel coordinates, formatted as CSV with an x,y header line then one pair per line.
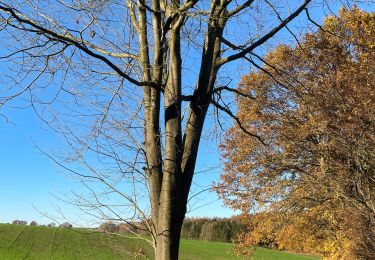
x,y
36,242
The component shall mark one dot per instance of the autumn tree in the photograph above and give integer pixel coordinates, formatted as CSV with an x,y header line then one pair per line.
x,y
135,80
312,186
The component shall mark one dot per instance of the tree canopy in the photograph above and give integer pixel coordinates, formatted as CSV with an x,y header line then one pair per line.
x,y
311,188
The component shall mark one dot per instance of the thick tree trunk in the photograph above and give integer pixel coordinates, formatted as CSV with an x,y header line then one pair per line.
x,y
181,153
169,218
168,241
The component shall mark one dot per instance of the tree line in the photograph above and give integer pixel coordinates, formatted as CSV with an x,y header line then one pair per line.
x,y
212,229
207,229
34,223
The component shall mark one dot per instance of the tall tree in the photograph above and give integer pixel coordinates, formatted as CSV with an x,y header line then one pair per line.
x,y
314,108
104,52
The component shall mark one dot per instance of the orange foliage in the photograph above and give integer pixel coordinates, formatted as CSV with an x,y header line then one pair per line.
x,y
314,183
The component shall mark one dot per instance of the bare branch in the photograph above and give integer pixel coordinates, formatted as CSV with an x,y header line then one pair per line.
x,y
237,120
266,37
70,41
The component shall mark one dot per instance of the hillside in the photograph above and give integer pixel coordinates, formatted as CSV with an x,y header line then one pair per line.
x,y
27,242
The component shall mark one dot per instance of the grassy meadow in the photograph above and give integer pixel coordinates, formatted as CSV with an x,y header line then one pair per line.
x,y
29,242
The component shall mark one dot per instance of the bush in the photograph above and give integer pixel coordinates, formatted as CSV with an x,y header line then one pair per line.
x,y
109,227
19,222
66,225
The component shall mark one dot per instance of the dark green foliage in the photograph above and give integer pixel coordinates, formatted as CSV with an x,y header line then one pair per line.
x,y
192,229
220,230
207,229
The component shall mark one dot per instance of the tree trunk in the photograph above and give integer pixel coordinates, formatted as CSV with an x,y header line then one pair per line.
x,y
168,241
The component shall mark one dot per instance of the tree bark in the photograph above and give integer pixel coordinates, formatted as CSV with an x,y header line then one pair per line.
x,y
181,155
168,243
169,219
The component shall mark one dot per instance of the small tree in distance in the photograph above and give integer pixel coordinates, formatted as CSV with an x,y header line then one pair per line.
x,y
66,225
109,227
52,224
19,222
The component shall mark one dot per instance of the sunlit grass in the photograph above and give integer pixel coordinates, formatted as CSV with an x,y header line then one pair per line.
x,y
29,242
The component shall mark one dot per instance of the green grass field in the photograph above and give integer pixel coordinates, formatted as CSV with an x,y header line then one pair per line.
x,y
25,242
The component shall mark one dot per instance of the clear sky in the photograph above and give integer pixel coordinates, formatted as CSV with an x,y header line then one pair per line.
x,y
29,179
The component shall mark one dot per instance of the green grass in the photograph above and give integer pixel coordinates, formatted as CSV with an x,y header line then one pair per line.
x,y
25,242
268,254
204,250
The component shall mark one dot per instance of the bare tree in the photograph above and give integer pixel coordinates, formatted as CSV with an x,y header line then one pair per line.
x,y
106,53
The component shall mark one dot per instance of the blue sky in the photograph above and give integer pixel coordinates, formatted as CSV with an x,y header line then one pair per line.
x,y
30,179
